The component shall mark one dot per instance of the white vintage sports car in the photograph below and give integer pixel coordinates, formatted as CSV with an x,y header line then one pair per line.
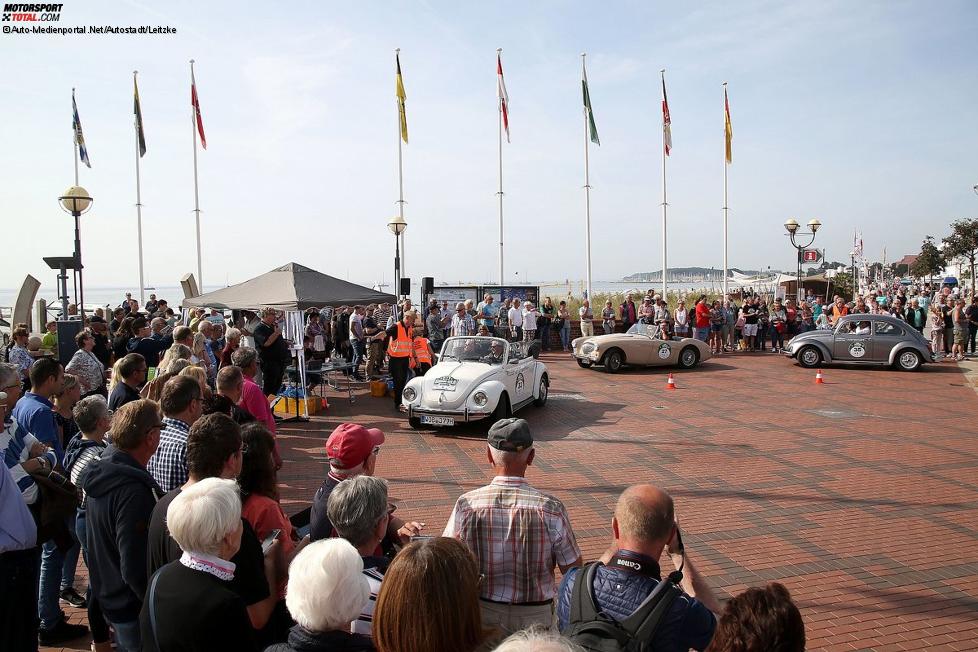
x,y
476,378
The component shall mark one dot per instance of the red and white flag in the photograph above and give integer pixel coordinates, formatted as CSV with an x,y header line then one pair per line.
x,y
666,120
502,94
196,105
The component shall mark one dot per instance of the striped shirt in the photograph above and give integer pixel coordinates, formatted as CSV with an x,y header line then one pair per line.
x,y
89,454
519,535
373,570
462,325
168,466
15,444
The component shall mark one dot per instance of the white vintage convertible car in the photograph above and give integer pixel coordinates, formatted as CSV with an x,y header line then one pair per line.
x,y
476,378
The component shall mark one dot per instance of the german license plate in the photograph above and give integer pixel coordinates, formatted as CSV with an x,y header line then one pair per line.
x,y
437,421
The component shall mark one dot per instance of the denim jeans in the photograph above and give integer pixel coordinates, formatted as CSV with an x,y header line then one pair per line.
x,y
777,339
702,334
127,636
545,335
359,350
57,574
565,334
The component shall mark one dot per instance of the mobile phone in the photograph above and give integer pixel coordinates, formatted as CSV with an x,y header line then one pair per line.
x,y
421,537
269,540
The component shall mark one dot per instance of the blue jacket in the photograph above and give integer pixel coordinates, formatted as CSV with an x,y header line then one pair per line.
x,y
120,496
33,413
619,593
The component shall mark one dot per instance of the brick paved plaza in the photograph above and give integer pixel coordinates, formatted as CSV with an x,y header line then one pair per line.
x,y
860,495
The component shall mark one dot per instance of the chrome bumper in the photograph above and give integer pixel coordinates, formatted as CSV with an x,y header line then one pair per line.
x,y
463,416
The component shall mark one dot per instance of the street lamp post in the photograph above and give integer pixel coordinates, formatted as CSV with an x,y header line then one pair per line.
x,y
76,201
792,227
397,226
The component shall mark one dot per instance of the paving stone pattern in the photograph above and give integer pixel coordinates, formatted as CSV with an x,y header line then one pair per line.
x,y
860,495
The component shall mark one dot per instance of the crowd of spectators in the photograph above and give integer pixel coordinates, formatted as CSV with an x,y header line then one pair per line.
x,y
174,505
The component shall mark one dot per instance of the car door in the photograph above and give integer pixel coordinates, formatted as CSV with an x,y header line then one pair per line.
x,y
885,337
850,346
523,382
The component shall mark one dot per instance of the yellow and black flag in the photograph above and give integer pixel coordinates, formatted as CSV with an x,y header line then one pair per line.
x,y
139,117
401,96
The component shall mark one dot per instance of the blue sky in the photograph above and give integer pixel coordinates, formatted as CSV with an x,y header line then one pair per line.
x,y
862,114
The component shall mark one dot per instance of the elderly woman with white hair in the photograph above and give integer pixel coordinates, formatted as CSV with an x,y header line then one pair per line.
x,y
327,590
189,604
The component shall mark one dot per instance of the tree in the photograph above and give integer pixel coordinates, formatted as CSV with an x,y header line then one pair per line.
x,y
963,242
930,261
841,285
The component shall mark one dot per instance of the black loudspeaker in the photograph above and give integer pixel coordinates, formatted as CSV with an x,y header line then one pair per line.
x,y
427,285
405,286
67,330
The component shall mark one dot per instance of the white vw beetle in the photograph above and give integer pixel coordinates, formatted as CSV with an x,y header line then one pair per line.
x,y
476,378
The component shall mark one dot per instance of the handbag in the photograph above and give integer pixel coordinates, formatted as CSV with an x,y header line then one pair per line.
x,y
58,501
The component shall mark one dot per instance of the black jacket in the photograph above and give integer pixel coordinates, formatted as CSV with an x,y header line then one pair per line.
x,y
194,611
302,640
120,496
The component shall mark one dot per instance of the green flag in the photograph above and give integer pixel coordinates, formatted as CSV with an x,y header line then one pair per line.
x,y
592,129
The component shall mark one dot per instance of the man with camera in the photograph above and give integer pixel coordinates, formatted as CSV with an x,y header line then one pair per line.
x,y
643,526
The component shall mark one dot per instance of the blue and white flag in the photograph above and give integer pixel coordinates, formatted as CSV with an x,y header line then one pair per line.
x,y
79,136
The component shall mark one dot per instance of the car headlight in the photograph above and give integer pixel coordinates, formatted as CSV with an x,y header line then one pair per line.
x,y
587,348
409,394
480,398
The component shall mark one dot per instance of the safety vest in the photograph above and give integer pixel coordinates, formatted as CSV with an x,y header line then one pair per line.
x,y
421,351
401,346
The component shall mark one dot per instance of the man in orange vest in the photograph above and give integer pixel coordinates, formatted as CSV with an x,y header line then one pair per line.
x,y
400,350
423,354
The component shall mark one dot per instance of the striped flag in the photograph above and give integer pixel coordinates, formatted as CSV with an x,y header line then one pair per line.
x,y
79,136
727,127
502,94
401,97
592,128
196,104
139,118
666,120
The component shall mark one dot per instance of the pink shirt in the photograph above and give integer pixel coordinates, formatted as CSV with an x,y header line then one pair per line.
x,y
253,400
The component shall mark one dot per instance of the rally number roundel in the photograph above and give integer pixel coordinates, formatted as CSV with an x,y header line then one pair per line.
x,y
857,349
664,351
520,381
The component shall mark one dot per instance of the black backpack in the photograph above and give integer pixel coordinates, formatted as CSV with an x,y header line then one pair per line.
x,y
595,631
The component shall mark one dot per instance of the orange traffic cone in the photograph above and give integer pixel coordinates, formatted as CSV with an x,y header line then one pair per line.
x,y
818,378
670,384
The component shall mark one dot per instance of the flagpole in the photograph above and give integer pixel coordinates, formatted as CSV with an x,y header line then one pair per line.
x,y
725,207
193,130
500,193
76,273
665,268
400,189
587,191
139,208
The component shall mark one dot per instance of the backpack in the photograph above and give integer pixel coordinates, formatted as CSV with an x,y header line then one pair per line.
x,y
595,631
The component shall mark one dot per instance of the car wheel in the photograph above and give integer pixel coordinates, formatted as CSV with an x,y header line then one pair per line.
x,y
809,357
613,361
502,410
584,363
688,357
541,398
414,422
908,360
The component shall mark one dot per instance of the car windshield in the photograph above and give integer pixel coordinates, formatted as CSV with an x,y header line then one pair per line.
x,y
490,350
649,330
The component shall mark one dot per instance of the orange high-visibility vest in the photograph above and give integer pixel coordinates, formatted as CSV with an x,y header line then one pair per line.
x,y
401,346
421,351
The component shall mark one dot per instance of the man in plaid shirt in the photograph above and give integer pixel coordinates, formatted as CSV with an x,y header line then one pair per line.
x,y
182,405
518,534
462,322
